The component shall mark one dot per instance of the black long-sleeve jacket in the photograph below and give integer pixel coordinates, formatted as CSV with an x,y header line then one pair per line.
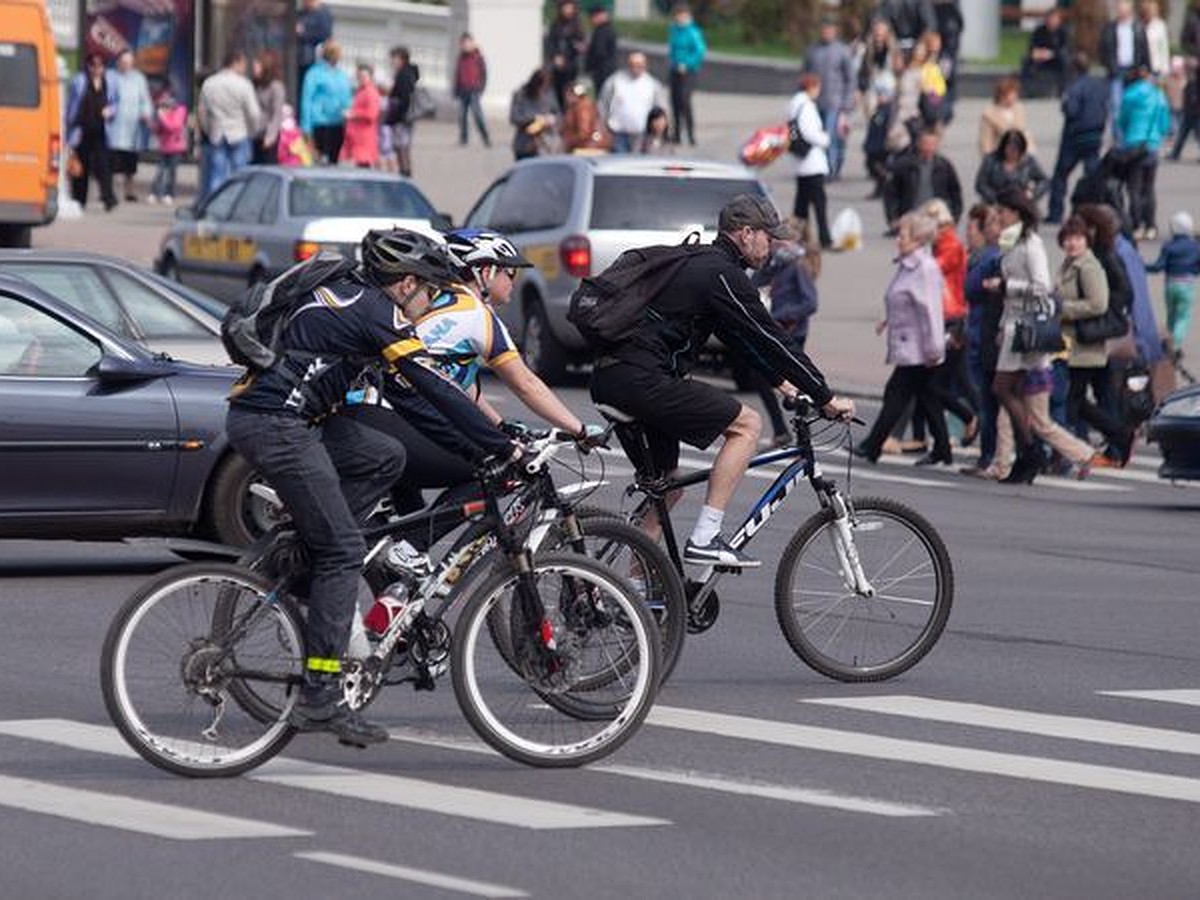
x,y
712,294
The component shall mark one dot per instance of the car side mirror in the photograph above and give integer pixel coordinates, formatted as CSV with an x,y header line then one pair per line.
x,y
119,370
185,214
442,221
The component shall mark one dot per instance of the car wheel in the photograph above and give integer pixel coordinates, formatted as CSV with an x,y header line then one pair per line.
x,y
20,236
236,515
541,349
170,268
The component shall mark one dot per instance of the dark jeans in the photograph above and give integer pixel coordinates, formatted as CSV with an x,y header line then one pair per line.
x,y
164,178
1081,410
1070,154
810,191
909,383
951,381
1143,203
1189,124
93,153
469,103
328,140
682,85
330,477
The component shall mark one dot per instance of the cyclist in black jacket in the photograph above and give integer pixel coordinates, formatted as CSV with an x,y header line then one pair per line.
x,y
646,376
329,469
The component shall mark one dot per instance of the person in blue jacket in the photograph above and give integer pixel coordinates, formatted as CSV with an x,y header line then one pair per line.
x,y
91,104
686,51
1180,260
325,98
1145,119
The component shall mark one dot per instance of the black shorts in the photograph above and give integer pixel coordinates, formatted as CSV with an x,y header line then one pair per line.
x,y
124,162
669,409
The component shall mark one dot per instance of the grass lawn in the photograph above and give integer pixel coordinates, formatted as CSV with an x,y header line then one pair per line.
x,y
728,38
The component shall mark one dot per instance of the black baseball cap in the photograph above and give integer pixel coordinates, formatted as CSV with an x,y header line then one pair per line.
x,y
750,211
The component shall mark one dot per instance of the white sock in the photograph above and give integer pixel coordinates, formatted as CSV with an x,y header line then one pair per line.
x,y
708,525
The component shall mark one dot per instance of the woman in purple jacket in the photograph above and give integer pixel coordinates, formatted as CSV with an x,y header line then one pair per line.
x,y
916,340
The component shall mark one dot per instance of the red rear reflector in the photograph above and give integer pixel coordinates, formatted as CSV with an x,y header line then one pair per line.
x,y
474,508
576,253
55,153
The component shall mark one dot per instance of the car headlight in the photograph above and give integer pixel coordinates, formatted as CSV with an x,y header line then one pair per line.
x,y
1182,407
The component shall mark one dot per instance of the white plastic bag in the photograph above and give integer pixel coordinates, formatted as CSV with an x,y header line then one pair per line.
x,y
847,230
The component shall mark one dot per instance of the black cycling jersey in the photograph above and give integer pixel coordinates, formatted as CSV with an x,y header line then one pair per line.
x,y
712,294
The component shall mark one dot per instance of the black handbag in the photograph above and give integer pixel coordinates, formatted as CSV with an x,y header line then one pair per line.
x,y
797,144
1040,331
1097,329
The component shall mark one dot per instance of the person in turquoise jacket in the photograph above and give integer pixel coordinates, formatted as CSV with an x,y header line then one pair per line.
x,y
686,51
1144,120
324,100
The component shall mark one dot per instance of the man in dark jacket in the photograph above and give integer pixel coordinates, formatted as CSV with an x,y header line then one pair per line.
x,y
909,19
405,76
1047,57
601,58
830,59
920,175
645,375
1123,49
1189,38
314,26
563,46
1085,110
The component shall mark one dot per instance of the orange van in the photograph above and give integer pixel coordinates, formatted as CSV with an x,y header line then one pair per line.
x,y
30,121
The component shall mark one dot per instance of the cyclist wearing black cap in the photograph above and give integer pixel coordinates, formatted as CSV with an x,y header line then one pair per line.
x,y
645,376
329,469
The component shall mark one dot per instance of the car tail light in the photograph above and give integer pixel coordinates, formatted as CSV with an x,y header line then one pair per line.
x,y
55,160
303,250
576,253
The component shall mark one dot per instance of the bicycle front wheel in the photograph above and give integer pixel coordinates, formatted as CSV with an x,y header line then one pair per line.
x,y
846,634
522,693
182,656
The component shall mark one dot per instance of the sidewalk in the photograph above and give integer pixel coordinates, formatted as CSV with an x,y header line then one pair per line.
x,y
842,339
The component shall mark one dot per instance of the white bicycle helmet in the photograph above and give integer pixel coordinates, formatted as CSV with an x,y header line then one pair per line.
x,y
474,248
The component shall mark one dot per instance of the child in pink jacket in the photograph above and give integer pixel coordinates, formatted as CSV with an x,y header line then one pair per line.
x,y
293,149
170,126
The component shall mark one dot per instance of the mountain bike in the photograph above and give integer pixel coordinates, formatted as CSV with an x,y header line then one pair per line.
x,y
865,585
554,657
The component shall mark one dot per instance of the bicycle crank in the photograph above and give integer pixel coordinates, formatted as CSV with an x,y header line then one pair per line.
x,y
703,610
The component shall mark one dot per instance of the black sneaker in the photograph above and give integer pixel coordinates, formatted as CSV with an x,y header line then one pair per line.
x,y
321,708
717,552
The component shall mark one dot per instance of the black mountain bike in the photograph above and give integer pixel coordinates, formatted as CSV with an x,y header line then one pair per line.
x,y
554,658
864,587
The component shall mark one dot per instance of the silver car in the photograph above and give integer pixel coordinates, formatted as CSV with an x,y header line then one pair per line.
x,y
267,218
132,302
573,215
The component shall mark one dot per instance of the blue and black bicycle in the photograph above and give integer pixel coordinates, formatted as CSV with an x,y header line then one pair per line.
x,y
863,589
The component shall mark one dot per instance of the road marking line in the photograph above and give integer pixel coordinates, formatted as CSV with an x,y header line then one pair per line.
x,y
1186,696
405,873
702,781
986,762
484,806
130,814
1075,728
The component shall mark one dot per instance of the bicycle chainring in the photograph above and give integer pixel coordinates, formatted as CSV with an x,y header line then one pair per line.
x,y
703,614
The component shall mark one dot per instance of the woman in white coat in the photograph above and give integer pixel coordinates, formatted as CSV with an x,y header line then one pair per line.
x,y
813,166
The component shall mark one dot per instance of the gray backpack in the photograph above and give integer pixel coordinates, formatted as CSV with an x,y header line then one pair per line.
x,y
252,330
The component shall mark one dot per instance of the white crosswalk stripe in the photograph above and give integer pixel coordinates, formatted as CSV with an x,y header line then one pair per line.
x,y
131,814
412,793
1115,734
1184,696
964,759
407,873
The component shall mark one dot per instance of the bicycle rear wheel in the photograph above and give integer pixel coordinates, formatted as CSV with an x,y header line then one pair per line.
x,y
852,637
524,699
182,648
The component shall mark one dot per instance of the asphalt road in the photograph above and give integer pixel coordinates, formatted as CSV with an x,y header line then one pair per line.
x,y
1009,763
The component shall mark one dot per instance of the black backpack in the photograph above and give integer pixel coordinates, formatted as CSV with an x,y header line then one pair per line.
x,y
608,308
252,329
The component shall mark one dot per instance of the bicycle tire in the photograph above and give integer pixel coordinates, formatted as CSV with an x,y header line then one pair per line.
x,y
834,632
171,619
505,704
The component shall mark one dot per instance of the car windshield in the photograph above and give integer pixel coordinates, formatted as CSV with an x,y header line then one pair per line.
x,y
629,202
18,75
354,198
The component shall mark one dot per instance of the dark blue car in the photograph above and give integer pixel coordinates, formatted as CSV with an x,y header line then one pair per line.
x,y
1175,426
100,438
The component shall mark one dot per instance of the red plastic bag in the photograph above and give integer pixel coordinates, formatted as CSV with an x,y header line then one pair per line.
x,y
765,146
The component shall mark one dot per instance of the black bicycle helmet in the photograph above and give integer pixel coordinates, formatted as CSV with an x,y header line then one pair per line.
x,y
389,255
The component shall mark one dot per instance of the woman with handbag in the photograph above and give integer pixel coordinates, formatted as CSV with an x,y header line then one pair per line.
x,y
1027,338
